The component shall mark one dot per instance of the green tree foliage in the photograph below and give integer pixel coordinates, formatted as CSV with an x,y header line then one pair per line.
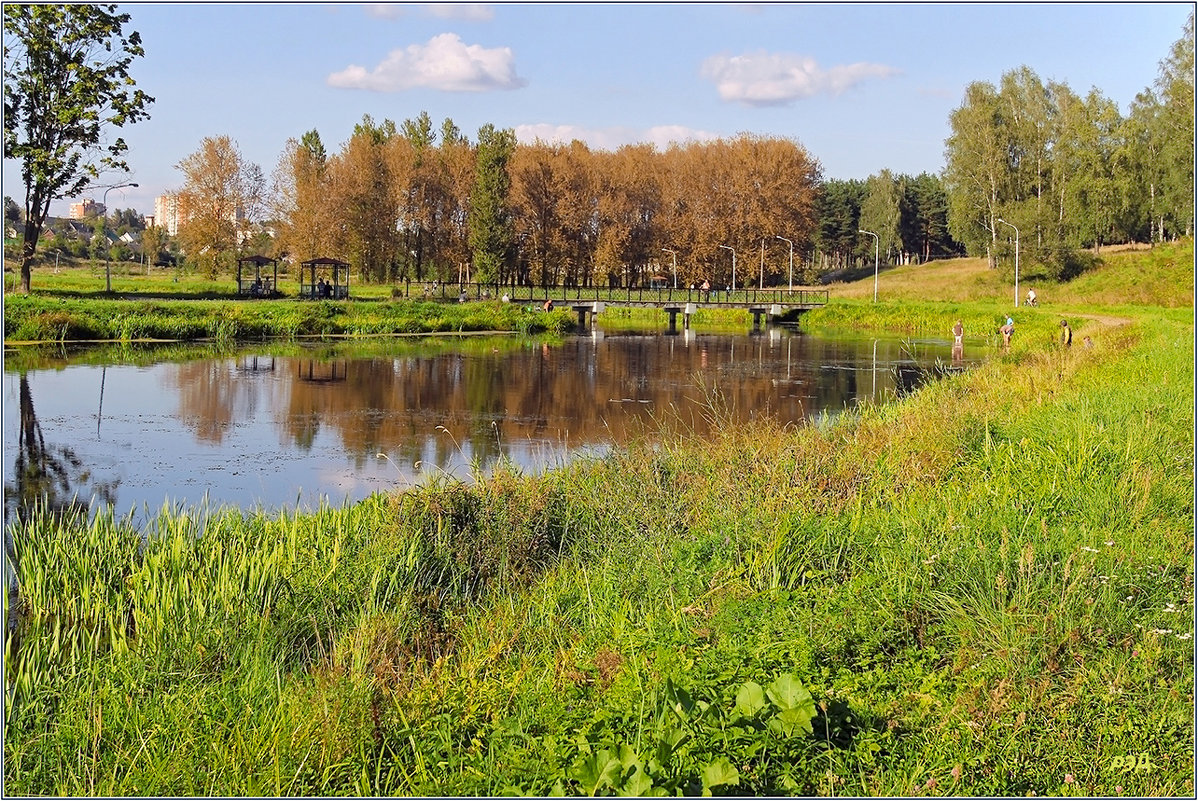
x,y
12,213
66,86
838,211
1069,171
924,224
1175,86
881,212
491,230
976,169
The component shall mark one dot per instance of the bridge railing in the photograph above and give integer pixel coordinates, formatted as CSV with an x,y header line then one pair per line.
x,y
660,295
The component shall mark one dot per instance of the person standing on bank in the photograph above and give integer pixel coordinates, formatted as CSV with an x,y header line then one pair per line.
x,y
1066,334
958,332
1006,331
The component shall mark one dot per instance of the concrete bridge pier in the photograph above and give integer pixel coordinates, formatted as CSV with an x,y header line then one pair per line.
x,y
584,309
686,312
769,313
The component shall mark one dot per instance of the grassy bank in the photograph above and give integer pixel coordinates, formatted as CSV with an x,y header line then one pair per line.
x,y
62,319
983,590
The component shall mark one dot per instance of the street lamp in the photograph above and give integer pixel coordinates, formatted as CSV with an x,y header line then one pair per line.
x,y
107,254
1004,222
674,253
792,260
726,247
875,236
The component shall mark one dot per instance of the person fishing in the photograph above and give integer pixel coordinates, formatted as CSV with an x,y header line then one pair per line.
x,y
1007,330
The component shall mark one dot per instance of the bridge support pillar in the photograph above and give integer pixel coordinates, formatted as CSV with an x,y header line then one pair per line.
x,y
592,309
686,312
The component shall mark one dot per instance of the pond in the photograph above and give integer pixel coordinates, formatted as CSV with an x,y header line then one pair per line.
x,y
275,426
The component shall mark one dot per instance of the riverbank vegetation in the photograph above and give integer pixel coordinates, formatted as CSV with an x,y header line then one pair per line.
x,y
985,589
36,318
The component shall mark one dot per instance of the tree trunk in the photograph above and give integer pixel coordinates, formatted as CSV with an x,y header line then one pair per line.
x,y
33,231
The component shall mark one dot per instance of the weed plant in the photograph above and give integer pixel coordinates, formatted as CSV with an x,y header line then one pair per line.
x,y
985,589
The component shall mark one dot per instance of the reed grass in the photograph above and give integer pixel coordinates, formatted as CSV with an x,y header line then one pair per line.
x,y
38,318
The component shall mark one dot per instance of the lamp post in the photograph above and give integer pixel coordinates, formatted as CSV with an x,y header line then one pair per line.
x,y
1004,222
674,253
107,254
792,260
726,247
875,236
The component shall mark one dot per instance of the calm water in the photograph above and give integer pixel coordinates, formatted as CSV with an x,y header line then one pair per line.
x,y
275,431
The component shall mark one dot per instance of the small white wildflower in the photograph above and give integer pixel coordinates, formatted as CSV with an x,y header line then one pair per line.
x,y
1185,636
1091,550
1162,631
1109,542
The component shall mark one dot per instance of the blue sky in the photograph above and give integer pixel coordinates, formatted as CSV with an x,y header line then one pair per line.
x,y
863,87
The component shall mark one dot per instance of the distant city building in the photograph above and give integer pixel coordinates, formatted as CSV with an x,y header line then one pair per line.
x,y
167,212
85,209
170,212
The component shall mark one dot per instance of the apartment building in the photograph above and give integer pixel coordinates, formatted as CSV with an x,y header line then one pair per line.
x,y
167,212
84,209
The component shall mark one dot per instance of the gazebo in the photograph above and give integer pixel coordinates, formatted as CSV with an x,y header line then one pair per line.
x,y
335,290
260,287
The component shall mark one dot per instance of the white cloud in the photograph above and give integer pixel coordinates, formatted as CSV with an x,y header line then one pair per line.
x,y
443,63
661,136
385,10
773,79
467,12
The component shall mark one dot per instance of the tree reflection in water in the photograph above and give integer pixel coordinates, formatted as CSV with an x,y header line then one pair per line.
x,y
47,477
281,429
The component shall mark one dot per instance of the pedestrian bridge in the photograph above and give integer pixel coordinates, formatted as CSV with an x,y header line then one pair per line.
x,y
768,304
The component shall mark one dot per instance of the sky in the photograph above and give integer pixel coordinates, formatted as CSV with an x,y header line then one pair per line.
x,y
861,86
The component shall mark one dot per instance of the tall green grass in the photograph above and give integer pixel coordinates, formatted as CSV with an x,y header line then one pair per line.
x,y
48,319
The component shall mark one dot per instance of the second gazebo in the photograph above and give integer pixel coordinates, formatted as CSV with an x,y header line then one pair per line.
x,y
325,288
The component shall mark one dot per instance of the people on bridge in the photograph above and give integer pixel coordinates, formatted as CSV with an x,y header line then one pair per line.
x,y
706,289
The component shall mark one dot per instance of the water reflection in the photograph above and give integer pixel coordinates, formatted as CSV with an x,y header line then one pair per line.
x,y
280,428
52,477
